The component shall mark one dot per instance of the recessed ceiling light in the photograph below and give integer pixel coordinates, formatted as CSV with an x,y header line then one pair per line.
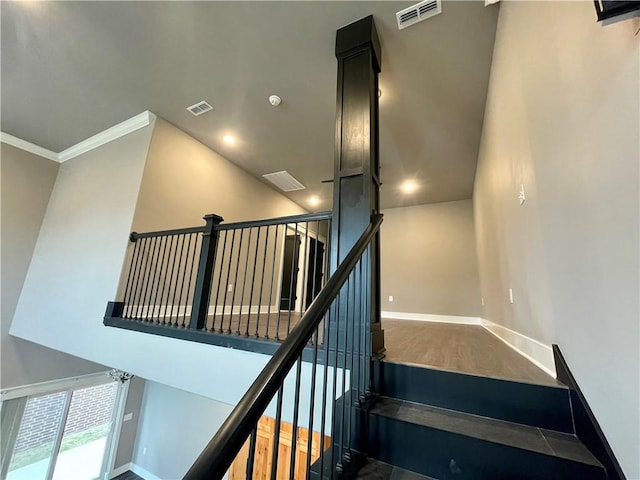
x,y
314,200
409,186
230,139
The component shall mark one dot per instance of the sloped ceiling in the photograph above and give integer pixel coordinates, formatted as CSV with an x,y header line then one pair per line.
x,y
73,69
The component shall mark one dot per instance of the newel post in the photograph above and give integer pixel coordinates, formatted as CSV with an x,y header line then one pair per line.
x,y
200,306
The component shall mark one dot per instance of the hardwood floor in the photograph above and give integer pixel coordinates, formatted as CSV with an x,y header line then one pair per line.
x,y
461,348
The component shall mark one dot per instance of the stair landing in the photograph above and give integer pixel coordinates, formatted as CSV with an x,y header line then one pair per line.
x,y
469,349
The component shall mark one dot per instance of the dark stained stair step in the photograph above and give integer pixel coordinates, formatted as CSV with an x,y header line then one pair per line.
x,y
542,406
454,445
377,470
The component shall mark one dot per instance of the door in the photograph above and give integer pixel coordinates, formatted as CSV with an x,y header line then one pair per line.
x,y
315,270
63,435
289,281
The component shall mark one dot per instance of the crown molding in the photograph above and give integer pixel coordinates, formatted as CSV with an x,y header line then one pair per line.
x,y
131,125
28,146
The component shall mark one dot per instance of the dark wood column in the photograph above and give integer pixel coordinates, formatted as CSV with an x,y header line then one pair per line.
x,y
356,182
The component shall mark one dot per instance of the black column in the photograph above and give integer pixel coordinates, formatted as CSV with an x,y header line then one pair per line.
x,y
356,182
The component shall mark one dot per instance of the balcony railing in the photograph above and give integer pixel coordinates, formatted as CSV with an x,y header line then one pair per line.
x,y
243,284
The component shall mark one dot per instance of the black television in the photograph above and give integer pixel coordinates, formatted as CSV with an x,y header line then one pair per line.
x,y
607,9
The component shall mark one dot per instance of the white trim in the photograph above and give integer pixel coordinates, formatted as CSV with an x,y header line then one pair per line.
x,y
115,430
427,317
120,470
28,146
533,350
131,125
147,475
54,385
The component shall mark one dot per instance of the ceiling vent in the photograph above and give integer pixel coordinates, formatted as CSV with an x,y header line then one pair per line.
x,y
418,12
284,181
199,108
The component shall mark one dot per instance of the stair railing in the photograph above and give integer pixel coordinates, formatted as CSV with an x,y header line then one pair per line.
x,y
245,281
330,412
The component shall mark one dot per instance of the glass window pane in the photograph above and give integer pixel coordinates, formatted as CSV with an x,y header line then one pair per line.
x,y
36,437
85,434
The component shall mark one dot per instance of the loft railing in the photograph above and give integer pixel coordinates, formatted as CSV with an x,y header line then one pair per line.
x,y
235,284
337,387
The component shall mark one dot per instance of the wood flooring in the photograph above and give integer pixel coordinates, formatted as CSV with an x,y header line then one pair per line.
x,y
460,348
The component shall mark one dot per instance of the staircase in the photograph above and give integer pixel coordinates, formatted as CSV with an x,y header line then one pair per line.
x,y
443,425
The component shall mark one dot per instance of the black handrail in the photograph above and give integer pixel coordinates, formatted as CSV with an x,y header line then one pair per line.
x,y
221,451
305,217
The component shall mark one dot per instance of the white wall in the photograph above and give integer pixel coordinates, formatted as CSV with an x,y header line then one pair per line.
x,y
27,182
428,260
173,429
562,117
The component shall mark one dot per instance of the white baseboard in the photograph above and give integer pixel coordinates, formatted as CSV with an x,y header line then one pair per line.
x,y
138,470
538,353
120,470
427,317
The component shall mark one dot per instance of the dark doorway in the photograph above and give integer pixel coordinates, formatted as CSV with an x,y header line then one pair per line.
x,y
289,272
315,270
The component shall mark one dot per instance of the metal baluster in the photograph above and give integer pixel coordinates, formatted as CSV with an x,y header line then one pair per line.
x,y
326,342
184,275
312,398
252,453
276,436
175,291
226,288
253,282
127,292
157,275
180,241
352,374
343,393
361,333
273,269
191,269
244,284
164,282
335,374
315,261
154,285
235,283
171,286
305,268
264,264
139,281
296,409
294,261
215,306
162,279
148,278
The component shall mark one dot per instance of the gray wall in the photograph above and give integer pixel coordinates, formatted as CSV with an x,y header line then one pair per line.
x,y
562,117
429,263
27,181
129,429
174,427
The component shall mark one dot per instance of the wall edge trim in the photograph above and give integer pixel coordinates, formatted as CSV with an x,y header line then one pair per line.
x,y
120,470
428,317
533,350
146,474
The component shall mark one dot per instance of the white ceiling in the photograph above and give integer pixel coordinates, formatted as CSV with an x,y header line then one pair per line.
x,y
73,69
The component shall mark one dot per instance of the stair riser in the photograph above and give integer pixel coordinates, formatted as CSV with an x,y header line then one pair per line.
x,y
429,451
534,405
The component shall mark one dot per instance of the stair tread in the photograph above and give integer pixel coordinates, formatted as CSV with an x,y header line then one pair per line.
x,y
524,437
377,470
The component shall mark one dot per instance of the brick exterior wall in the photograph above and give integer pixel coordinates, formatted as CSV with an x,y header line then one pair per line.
x,y
89,407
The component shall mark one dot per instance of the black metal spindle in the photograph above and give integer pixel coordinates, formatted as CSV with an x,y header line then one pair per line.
x,y
215,305
305,268
235,282
134,292
294,271
352,372
155,283
244,284
252,453
189,283
167,276
147,279
226,283
253,282
171,292
174,279
163,248
140,279
175,291
296,411
273,269
343,391
184,275
127,293
276,435
312,402
264,265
